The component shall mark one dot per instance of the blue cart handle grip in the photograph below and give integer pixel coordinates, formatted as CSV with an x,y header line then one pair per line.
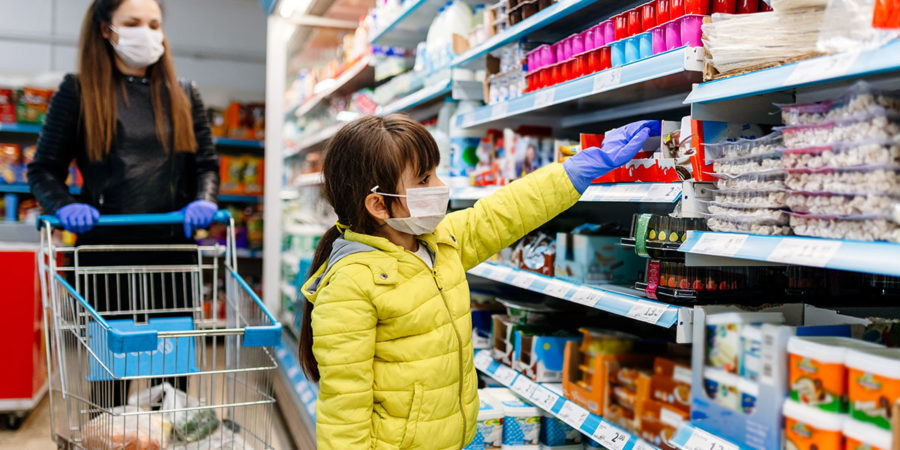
x,y
172,218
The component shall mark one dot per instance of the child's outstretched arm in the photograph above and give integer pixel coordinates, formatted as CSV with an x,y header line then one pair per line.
x,y
498,220
343,323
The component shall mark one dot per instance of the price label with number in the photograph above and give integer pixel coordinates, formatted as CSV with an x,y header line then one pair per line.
x,y
663,192
499,110
610,436
543,398
645,311
483,360
522,280
701,440
805,252
587,296
556,289
544,98
719,244
573,415
505,375
524,386
607,79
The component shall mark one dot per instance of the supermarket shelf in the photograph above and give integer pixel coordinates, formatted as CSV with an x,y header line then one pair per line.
x,y
241,143
657,83
602,298
314,140
22,188
303,392
617,192
688,437
288,290
240,198
417,98
819,70
856,256
20,128
410,26
592,425
350,78
543,18
309,179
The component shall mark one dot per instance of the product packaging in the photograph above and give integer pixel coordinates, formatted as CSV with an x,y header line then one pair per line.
x,y
873,384
808,428
32,105
541,357
521,420
724,336
594,260
865,436
586,374
489,423
556,434
7,106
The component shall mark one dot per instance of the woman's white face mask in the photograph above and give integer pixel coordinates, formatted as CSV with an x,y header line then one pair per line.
x,y
138,47
427,208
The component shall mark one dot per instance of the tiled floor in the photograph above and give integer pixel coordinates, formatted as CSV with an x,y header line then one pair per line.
x,y
34,434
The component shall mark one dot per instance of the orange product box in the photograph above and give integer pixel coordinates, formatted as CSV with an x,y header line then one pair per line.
x,y
252,174
231,175
810,428
873,376
670,415
670,391
656,432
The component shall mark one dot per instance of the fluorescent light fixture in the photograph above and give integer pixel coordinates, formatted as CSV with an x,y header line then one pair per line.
x,y
347,116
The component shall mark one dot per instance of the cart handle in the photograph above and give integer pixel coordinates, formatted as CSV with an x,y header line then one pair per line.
x,y
171,218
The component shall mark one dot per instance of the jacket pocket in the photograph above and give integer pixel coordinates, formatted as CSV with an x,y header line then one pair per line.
x,y
412,423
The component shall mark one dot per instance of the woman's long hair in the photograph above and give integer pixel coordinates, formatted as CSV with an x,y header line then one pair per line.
x,y
100,81
370,151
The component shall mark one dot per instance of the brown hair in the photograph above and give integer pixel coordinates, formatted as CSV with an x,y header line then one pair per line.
x,y
370,151
99,80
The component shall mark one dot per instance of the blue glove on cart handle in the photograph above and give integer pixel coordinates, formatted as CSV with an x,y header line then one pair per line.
x,y
77,218
619,146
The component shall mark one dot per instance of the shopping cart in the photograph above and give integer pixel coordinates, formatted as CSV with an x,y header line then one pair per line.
x,y
136,362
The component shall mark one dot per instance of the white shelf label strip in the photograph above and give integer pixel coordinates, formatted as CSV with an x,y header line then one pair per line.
x,y
719,244
804,252
573,414
543,98
610,436
647,311
822,68
483,360
607,79
701,440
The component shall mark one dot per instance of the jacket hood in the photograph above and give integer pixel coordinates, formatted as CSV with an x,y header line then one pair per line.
x,y
341,248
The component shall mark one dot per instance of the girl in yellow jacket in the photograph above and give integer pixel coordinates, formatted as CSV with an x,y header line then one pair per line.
x,y
386,330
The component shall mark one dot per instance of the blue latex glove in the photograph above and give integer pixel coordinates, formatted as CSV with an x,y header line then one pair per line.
x,y
619,146
77,218
198,214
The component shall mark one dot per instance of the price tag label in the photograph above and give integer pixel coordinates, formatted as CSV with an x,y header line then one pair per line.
x,y
573,415
524,386
805,252
483,360
505,375
719,244
641,445
468,120
587,296
544,98
593,193
522,280
610,436
663,192
645,311
821,68
556,289
701,440
607,79
499,110
544,398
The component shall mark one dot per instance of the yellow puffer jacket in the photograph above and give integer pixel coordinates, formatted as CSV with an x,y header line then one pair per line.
x,y
393,339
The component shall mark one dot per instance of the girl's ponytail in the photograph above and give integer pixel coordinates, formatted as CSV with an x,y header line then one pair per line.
x,y
307,359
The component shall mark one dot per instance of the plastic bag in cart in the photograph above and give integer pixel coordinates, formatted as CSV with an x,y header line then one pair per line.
x,y
188,426
116,431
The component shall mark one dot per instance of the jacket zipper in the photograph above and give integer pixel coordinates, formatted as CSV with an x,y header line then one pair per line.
x,y
462,410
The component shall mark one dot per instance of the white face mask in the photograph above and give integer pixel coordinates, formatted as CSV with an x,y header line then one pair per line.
x,y
138,47
427,207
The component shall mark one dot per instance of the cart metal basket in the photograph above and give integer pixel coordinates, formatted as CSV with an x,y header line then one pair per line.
x,y
138,356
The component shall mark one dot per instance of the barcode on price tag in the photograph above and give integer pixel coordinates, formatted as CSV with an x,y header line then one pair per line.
x,y
610,436
645,311
607,79
544,98
524,386
522,280
544,398
804,252
556,289
701,440
587,296
720,244
483,360
573,415
505,375
499,110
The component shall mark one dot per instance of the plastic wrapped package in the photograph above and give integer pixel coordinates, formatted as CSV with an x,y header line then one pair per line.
x,y
761,215
841,204
788,5
866,179
769,144
859,228
147,431
874,123
750,199
873,152
858,98
732,225
768,181
746,166
848,26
